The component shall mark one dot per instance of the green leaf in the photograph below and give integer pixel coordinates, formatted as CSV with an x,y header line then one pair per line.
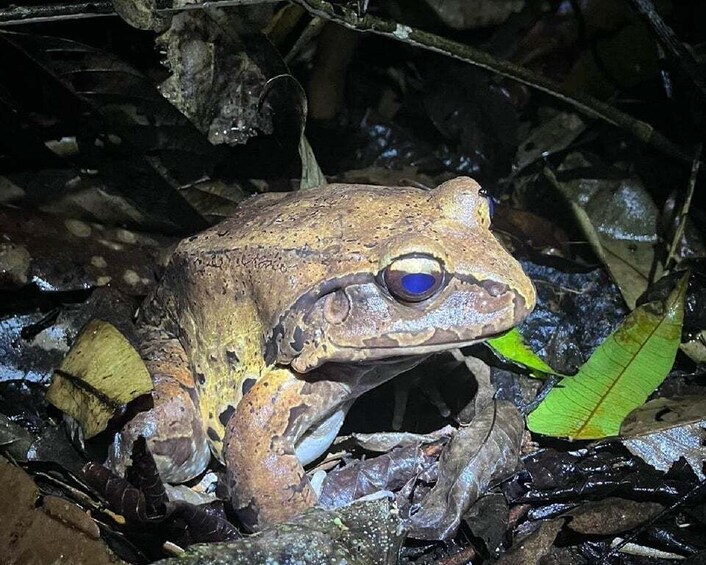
x,y
622,372
511,347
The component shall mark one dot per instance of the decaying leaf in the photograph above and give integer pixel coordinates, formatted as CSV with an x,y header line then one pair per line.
x,y
618,377
619,219
533,547
667,429
214,81
14,439
389,472
550,137
101,373
383,442
469,14
480,454
312,175
142,500
611,516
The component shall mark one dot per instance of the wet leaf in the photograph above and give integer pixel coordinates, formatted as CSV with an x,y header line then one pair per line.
x,y
221,93
144,475
382,442
145,503
101,373
122,497
575,313
470,14
618,377
511,347
611,516
14,439
549,137
533,547
595,473
488,518
667,429
386,472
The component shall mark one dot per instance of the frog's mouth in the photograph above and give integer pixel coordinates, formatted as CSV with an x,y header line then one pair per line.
x,y
359,323
390,348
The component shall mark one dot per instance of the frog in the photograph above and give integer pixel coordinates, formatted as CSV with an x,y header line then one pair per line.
x,y
266,327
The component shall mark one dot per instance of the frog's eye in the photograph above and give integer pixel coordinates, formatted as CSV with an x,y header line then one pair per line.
x,y
413,279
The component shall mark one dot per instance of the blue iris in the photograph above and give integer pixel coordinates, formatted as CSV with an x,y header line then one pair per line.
x,y
418,283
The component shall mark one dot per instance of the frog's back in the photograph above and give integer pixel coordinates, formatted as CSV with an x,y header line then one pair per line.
x,y
304,218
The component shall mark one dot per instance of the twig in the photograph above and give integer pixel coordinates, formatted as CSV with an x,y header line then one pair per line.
x,y
14,14
36,13
586,104
671,43
684,212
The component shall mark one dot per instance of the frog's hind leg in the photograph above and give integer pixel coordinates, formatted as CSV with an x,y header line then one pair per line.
x,y
173,427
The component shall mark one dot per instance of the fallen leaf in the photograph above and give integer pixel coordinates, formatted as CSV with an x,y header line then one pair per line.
x,y
480,454
611,516
667,429
622,372
364,532
619,220
101,373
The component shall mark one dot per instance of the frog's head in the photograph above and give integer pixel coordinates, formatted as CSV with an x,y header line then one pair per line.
x,y
399,272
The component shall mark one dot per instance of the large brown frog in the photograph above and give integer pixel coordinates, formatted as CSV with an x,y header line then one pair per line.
x,y
266,327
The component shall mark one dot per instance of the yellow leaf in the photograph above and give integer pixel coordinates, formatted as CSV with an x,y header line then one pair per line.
x,y
101,373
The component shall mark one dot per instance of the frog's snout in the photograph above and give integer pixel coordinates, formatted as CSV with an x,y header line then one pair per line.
x,y
524,306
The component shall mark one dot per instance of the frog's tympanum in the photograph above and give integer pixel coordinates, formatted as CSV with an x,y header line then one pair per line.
x,y
266,327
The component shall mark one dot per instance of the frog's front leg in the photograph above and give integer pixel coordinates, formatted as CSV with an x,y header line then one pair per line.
x,y
173,427
266,438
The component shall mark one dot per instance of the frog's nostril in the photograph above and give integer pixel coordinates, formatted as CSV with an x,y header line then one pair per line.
x,y
494,288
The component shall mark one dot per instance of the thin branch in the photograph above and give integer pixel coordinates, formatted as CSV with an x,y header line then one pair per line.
x,y
36,13
585,104
671,43
19,14
684,211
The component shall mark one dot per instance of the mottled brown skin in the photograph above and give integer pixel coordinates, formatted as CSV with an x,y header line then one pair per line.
x,y
267,326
